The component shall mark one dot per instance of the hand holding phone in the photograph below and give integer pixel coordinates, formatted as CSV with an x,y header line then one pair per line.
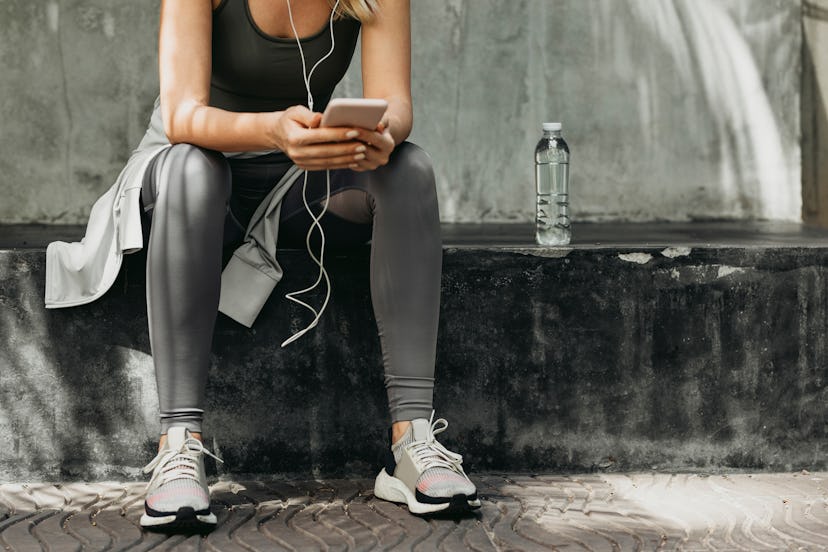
x,y
354,112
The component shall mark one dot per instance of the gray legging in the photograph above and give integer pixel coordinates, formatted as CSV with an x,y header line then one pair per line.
x,y
185,195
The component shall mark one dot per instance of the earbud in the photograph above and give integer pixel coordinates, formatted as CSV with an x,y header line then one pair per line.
x,y
323,274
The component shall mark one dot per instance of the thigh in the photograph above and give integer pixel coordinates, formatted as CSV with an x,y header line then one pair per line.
x,y
316,189
151,186
406,181
406,160
253,179
347,221
176,164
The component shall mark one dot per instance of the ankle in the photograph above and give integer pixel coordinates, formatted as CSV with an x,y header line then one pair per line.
x,y
398,430
163,439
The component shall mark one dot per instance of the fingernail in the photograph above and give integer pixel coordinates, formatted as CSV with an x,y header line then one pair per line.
x,y
360,149
354,166
352,134
359,156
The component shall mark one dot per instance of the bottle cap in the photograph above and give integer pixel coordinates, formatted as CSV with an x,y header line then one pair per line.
x,y
552,126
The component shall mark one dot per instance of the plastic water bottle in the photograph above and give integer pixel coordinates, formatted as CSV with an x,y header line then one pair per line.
x,y
552,187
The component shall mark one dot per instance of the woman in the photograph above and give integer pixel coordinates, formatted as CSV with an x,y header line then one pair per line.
x,y
221,155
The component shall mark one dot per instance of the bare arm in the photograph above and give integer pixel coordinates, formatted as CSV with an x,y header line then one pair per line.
x,y
185,64
386,74
386,64
184,55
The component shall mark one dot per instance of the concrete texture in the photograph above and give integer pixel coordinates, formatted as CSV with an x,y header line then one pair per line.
x,y
584,358
632,512
588,235
814,114
675,110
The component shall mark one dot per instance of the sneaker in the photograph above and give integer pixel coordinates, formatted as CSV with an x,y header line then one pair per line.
x,y
423,474
177,498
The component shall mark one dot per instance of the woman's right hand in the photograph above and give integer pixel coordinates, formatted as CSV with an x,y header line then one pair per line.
x,y
298,134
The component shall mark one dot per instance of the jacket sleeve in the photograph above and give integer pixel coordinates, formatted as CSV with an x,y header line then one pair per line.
x,y
78,273
252,273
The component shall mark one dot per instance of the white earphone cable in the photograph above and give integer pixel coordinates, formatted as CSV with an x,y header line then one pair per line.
x,y
315,224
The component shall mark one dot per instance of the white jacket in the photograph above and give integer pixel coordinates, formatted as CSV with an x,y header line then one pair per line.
x,y
78,273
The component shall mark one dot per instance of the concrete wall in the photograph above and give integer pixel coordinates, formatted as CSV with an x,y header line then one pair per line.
x,y
815,112
614,358
674,110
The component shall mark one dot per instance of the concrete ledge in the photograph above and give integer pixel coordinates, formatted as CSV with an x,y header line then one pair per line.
x,y
588,358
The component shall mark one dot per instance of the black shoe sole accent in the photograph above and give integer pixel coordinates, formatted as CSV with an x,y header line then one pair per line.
x,y
155,513
425,499
185,523
458,507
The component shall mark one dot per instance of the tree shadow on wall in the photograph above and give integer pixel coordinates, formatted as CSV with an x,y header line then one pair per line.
x,y
718,90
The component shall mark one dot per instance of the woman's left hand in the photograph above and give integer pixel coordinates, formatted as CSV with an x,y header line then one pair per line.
x,y
379,143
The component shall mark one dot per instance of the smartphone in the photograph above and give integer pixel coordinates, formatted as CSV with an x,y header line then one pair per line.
x,y
354,112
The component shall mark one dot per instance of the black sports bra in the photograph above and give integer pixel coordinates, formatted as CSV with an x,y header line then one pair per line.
x,y
253,71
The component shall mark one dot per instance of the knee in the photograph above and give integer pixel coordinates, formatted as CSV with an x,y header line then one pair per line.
x,y
413,161
410,176
196,176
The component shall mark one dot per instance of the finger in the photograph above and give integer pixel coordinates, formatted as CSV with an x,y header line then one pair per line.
x,y
329,150
331,162
317,168
378,154
375,155
301,115
385,142
361,167
323,135
372,162
315,121
381,150
368,136
387,146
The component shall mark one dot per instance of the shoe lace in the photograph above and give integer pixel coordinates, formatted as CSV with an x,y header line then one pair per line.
x,y
430,453
178,464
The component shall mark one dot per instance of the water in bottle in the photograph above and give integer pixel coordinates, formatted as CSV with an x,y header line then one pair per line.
x,y
552,187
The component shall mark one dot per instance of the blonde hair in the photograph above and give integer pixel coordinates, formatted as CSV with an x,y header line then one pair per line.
x,y
362,10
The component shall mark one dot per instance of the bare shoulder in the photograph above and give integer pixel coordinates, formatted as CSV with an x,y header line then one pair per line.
x,y
183,12
389,13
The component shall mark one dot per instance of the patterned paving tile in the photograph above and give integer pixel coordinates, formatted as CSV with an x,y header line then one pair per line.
x,y
616,512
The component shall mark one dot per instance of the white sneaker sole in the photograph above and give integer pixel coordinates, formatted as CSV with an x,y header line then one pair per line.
x,y
392,489
173,522
152,521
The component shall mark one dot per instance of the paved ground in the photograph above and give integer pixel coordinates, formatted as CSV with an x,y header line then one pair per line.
x,y
590,512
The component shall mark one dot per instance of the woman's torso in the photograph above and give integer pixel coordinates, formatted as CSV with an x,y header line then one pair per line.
x,y
255,71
